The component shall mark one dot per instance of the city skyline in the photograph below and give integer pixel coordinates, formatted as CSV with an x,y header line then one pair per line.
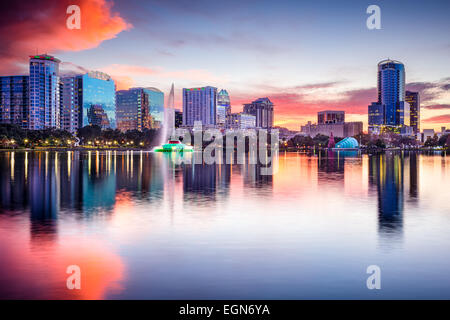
x,y
288,60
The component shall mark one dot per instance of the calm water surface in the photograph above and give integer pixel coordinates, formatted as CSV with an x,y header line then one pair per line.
x,y
140,225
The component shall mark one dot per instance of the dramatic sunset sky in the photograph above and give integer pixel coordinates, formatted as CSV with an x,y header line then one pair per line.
x,y
305,56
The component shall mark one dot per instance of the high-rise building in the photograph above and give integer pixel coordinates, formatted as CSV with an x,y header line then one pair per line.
x,y
14,100
242,120
88,99
223,109
199,104
69,99
390,112
44,92
156,105
97,100
413,98
376,117
178,118
262,109
132,109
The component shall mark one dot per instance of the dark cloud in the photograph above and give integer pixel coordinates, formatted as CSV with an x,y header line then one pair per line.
x,y
429,91
437,107
69,69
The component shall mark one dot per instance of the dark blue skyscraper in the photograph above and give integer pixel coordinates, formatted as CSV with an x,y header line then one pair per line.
x,y
14,102
390,112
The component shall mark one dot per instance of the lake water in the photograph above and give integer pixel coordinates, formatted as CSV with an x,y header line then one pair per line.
x,y
141,226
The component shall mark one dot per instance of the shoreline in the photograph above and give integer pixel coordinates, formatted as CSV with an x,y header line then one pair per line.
x,y
364,150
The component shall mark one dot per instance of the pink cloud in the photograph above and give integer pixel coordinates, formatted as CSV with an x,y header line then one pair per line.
x,y
26,29
443,119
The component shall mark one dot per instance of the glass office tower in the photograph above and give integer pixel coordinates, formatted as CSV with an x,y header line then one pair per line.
x,y
199,104
156,105
132,110
413,98
223,109
44,92
14,101
88,99
390,111
97,99
391,92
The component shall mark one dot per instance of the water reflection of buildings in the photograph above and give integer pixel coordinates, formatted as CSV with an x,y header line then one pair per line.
x,y
391,174
47,182
88,183
330,166
215,179
254,175
200,178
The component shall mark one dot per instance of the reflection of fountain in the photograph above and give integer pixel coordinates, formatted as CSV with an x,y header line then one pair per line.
x,y
169,118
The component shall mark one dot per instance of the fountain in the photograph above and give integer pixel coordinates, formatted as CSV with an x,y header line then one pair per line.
x,y
168,130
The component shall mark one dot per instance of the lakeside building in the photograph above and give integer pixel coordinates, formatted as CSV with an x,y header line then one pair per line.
x,y
200,104
132,109
391,113
332,122
156,105
97,100
92,96
262,109
14,100
44,100
242,120
69,104
413,98
178,118
223,109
